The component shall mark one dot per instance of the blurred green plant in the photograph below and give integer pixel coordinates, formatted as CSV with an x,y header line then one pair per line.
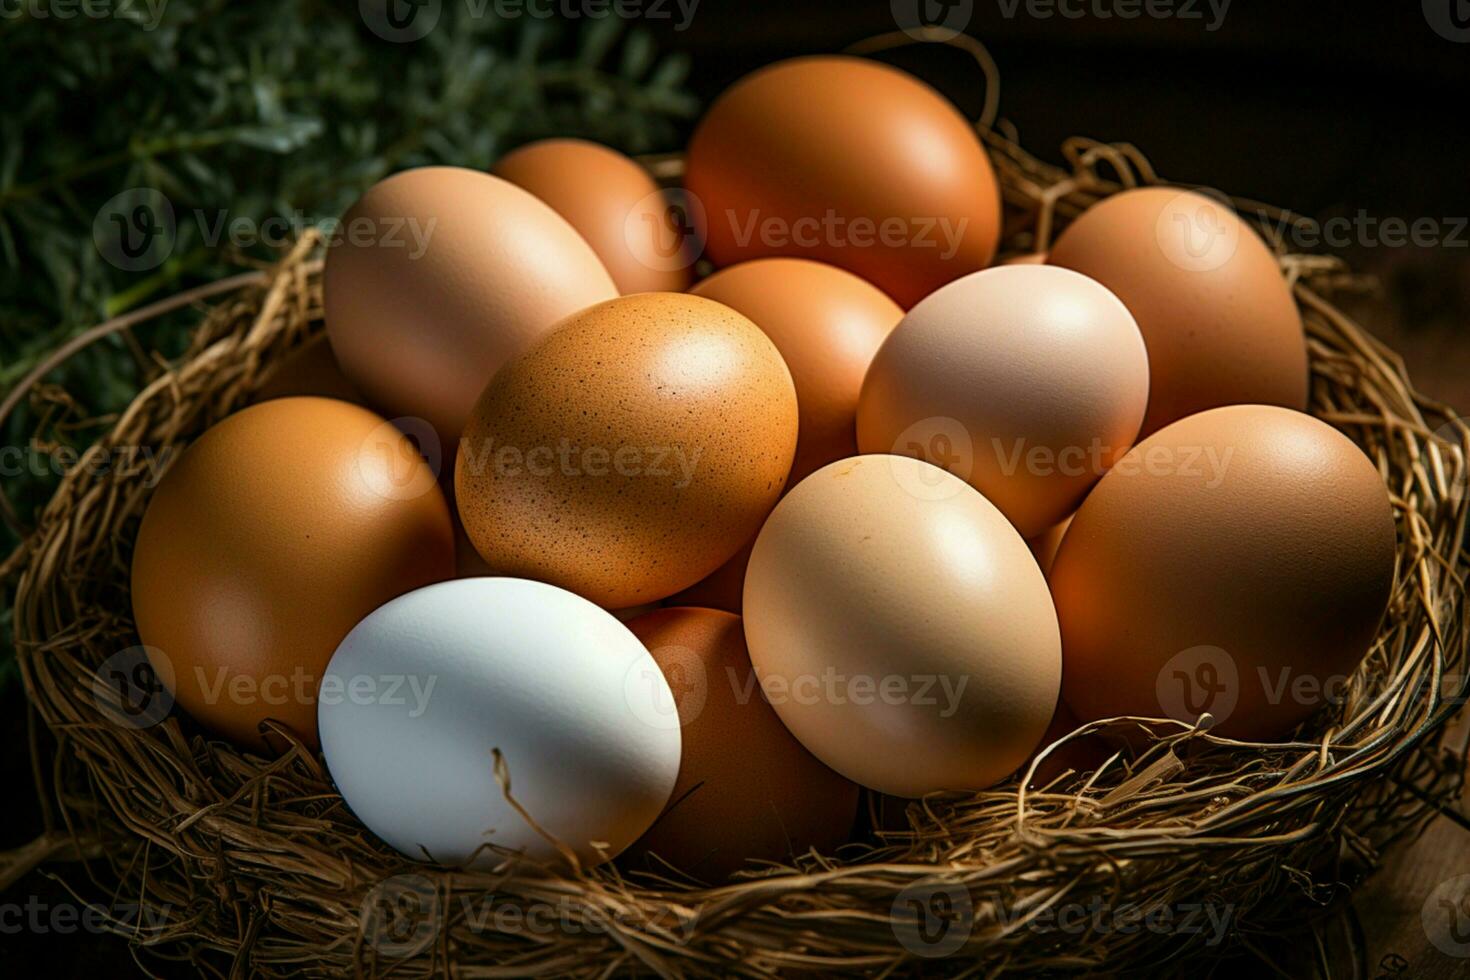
x,y
241,112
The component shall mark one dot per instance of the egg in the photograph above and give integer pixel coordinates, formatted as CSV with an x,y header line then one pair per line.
x,y
846,161
309,370
827,323
613,202
265,542
747,790
631,452
1218,317
1044,545
437,276
1027,380
1236,562
1025,258
435,691
900,627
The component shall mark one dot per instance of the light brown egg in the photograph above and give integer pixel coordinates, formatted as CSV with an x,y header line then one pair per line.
x,y
1238,561
310,370
1025,380
266,542
1218,318
847,161
901,628
437,276
747,790
631,452
612,202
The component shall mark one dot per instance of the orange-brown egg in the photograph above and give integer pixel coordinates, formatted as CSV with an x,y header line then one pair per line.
x,y
847,161
612,201
437,276
631,452
1216,314
266,542
1236,562
747,789
827,323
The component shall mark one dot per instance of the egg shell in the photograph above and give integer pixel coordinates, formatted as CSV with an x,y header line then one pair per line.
x,y
311,369
1027,381
1238,561
747,790
265,542
901,628
679,422
846,161
1044,545
437,276
1209,297
570,700
827,323
611,200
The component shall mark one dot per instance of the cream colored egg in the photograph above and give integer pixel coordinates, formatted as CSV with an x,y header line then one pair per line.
x,y
901,628
1026,380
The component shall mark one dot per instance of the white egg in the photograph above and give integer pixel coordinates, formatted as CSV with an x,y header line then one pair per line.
x,y
421,694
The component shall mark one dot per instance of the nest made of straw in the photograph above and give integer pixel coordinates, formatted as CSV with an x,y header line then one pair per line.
x,y
244,864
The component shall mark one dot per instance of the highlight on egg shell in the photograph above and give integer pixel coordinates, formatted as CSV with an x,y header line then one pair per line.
x,y
747,790
1027,381
631,452
1215,311
439,275
847,161
610,200
901,628
264,544
473,719
1235,564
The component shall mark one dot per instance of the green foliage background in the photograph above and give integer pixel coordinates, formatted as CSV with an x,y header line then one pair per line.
x,y
248,110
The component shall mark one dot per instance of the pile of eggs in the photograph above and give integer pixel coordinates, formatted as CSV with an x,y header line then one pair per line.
x,y
674,569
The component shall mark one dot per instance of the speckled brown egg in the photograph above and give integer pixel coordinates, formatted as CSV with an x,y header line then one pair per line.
x,y
1237,562
611,200
1215,312
631,452
747,789
266,542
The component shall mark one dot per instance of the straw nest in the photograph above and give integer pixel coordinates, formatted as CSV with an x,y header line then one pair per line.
x,y
247,865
